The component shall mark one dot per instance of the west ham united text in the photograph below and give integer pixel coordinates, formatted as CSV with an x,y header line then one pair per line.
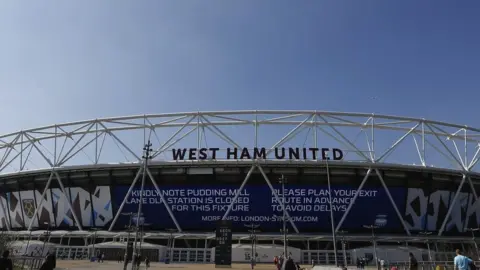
x,y
257,153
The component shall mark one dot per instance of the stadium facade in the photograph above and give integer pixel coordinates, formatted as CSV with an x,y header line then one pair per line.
x,y
402,175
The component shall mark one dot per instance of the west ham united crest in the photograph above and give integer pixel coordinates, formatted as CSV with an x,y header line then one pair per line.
x,y
28,207
381,220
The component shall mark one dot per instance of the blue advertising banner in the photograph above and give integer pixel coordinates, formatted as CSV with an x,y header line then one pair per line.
x,y
199,207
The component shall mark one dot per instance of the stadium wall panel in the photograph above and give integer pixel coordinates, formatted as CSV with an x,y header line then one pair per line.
x,y
93,209
421,198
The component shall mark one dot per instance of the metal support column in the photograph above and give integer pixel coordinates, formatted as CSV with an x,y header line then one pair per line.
x,y
274,193
282,181
450,208
169,254
344,246
129,228
35,214
426,234
239,191
147,149
352,202
253,237
332,218
119,211
373,227
473,230
94,241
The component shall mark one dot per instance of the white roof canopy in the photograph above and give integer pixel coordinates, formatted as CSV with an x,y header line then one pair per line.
x,y
239,236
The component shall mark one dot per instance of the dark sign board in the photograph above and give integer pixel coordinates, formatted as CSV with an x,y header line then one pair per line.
x,y
223,247
199,207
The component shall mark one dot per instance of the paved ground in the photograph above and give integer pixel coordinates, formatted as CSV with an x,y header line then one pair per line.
x,y
84,265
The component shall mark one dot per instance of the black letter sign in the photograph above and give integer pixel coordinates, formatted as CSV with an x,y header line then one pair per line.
x,y
337,154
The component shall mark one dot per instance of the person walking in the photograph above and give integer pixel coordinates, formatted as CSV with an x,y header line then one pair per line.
x,y
280,262
139,261
382,264
49,264
461,262
147,262
290,264
412,262
5,261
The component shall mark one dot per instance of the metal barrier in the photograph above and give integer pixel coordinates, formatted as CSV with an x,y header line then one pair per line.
x,y
447,265
27,263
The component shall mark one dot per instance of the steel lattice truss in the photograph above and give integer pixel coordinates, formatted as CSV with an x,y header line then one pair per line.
x,y
364,138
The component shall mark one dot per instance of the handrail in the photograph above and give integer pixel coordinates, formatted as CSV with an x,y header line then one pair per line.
x,y
27,263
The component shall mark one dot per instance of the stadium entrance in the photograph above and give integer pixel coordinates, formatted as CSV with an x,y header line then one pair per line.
x,y
198,248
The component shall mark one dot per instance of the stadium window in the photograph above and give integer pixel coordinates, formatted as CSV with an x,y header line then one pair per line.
x,y
200,179
200,171
418,180
466,186
41,178
11,183
475,179
476,183
291,177
319,176
343,180
230,178
54,183
74,178
172,179
372,181
440,182
457,179
123,177
257,179
342,176
100,178
228,170
453,185
80,182
360,174
170,171
65,178
285,171
310,177
25,183
39,183
341,172
395,178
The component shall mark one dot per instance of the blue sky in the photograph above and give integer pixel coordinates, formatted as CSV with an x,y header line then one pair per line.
x,y
64,61
73,60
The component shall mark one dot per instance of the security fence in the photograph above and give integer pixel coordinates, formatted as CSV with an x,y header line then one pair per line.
x,y
27,263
